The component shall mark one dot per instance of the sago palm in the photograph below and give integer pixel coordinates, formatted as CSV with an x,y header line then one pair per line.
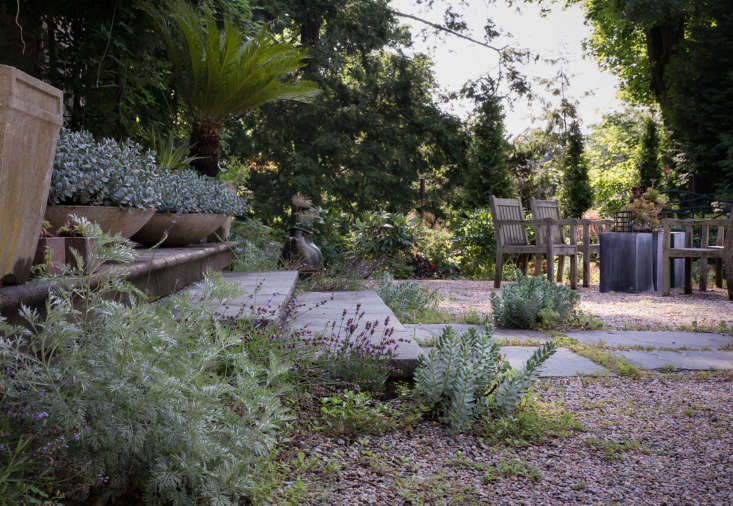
x,y
220,75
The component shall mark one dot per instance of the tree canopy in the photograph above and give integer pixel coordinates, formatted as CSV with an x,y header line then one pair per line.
x,y
678,54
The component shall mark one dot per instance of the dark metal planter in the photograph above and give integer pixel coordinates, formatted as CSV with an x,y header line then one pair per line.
x,y
632,262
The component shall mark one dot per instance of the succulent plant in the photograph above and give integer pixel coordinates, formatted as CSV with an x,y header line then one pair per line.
x,y
186,191
103,173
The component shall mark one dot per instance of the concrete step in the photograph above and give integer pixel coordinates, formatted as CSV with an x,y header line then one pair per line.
x,y
157,272
264,295
331,313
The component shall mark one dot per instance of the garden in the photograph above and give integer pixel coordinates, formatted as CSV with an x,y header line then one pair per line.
x,y
384,331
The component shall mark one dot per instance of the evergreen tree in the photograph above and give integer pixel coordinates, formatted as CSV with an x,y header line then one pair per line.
x,y
577,195
649,172
487,170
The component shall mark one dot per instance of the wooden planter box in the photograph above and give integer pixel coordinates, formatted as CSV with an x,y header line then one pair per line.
x,y
631,262
31,113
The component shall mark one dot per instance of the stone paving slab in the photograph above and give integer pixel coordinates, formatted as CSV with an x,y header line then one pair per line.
x,y
563,363
264,294
701,360
318,309
656,339
426,334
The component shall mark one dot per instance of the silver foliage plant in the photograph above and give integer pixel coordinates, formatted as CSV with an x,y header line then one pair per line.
x,y
186,191
464,378
533,301
103,173
114,397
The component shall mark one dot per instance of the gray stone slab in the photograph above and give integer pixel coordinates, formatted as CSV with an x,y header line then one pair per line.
x,y
681,359
318,310
656,339
563,363
426,334
264,294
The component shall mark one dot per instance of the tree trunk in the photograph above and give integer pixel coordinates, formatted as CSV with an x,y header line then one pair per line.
x,y
206,143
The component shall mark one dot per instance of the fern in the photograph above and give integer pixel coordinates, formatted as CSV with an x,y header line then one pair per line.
x,y
463,377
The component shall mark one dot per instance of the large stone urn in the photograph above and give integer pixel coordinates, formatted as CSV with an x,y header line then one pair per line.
x,y
31,113
300,252
178,229
124,221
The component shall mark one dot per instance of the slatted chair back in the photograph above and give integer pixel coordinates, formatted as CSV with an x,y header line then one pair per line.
x,y
509,209
542,209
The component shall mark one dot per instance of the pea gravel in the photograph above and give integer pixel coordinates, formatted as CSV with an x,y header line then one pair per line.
x,y
668,436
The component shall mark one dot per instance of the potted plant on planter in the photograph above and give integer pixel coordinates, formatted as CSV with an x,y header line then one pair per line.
x,y
192,207
645,210
108,182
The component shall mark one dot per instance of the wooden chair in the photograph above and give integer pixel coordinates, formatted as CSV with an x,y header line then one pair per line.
x,y
721,252
551,209
511,238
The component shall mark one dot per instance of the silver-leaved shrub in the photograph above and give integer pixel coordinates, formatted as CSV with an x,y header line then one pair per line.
x,y
463,377
532,302
102,173
186,191
110,398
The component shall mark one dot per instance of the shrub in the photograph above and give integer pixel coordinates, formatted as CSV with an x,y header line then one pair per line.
x,y
118,398
406,298
463,377
475,243
532,302
258,246
388,237
435,256
186,191
103,173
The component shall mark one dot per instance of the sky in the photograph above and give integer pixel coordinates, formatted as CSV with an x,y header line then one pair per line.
x,y
560,34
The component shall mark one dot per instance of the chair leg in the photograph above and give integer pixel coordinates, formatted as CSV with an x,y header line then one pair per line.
x,y
703,274
551,267
688,275
719,272
560,268
667,266
498,268
574,272
586,267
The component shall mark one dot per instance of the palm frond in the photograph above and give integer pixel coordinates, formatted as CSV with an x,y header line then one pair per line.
x,y
220,74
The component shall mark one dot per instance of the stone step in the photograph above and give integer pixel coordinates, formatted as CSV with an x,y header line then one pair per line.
x,y
264,295
332,313
157,272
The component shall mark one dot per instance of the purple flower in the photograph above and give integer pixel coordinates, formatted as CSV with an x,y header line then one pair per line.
x,y
41,415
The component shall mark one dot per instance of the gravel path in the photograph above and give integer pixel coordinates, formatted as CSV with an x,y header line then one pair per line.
x,y
704,309
668,439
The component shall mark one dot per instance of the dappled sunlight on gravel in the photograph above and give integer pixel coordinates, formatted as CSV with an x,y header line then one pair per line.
x,y
618,310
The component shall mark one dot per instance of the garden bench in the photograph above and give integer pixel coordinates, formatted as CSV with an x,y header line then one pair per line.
x,y
721,251
511,238
551,209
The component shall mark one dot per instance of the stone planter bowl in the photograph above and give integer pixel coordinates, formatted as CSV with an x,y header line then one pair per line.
x,y
125,221
182,229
